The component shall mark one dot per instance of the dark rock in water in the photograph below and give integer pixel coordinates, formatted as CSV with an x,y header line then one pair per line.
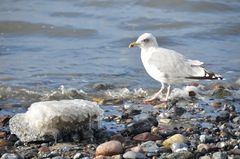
x,y
180,155
102,86
4,120
220,92
222,116
12,138
141,126
134,155
178,111
219,155
192,94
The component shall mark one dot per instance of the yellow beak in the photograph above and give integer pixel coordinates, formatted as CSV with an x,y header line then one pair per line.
x,y
133,44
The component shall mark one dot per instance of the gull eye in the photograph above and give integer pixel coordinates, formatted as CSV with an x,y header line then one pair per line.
x,y
146,40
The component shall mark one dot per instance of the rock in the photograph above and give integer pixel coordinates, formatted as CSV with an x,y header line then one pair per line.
x,y
12,138
165,121
102,157
206,138
219,155
205,157
77,155
102,86
150,147
180,155
10,156
47,120
109,148
58,157
141,126
3,134
176,147
4,142
4,120
236,120
220,92
154,130
221,144
177,138
235,151
222,116
203,148
192,94
134,155
118,137
136,149
146,136
216,104
43,151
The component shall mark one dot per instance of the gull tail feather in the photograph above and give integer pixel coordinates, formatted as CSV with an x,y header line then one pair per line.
x,y
207,76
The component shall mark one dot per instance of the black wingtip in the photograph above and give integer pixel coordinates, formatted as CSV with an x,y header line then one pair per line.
x,y
207,76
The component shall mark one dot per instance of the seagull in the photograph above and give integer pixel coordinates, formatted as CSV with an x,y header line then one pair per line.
x,y
168,66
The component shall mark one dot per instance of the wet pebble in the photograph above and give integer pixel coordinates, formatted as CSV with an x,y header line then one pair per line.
x,y
219,155
141,126
146,136
180,155
176,147
205,157
206,138
10,156
118,137
203,147
150,147
78,155
109,148
134,155
58,157
4,120
221,145
4,142
222,116
177,138
3,134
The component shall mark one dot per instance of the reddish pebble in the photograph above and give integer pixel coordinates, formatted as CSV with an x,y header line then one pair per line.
x,y
3,134
194,84
136,149
146,136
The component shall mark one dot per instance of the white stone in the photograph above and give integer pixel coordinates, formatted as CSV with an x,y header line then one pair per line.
x,y
45,120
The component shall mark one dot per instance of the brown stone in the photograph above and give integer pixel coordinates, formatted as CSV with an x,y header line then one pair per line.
x,y
4,119
4,142
118,137
146,136
192,94
109,148
216,104
3,134
177,138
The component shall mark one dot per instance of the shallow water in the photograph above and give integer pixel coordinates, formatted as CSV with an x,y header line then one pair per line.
x,y
46,44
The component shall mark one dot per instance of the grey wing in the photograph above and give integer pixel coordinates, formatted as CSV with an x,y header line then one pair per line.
x,y
175,65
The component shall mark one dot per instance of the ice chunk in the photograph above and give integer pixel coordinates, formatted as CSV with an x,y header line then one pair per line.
x,y
49,119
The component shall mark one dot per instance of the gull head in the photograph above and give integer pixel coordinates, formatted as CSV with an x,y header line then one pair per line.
x,y
145,41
